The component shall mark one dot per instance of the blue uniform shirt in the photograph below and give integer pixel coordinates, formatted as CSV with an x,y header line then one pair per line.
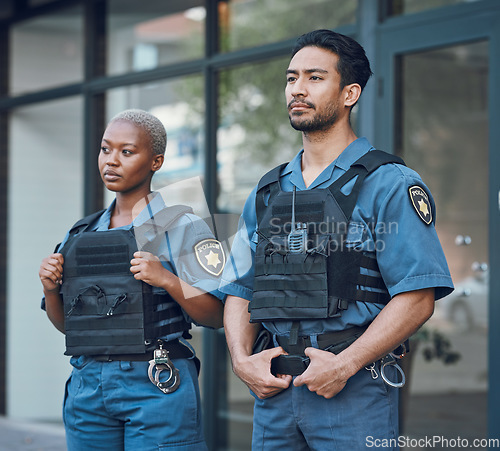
x,y
384,223
176,251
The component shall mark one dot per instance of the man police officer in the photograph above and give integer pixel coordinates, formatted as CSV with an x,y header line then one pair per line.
x,y
345,265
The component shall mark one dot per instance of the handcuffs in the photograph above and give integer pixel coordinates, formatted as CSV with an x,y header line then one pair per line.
x,y
161,361
390,360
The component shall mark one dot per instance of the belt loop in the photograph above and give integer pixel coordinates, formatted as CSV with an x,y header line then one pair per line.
x,y
275,341
314,341
125,365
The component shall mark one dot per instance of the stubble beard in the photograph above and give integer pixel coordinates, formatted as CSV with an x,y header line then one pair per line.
x,y
319,122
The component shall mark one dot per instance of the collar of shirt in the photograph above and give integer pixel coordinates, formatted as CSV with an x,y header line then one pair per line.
x,y
344,161
155,205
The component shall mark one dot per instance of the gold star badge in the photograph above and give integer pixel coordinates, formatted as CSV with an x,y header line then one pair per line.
x,y
421,203
212,259
423,207
210,256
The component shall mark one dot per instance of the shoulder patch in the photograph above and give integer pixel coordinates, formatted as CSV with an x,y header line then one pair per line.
x,y
421,203
210,256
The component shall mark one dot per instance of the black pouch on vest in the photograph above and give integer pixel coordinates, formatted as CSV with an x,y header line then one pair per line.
x,y
263,341
283,281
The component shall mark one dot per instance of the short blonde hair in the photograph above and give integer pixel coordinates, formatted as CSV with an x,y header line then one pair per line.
x,y
150,124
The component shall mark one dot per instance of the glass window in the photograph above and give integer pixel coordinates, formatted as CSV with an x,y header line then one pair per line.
x,y
6,9
145,35
45,198
254,132
39,2
444,124
246,23
47,51
400,7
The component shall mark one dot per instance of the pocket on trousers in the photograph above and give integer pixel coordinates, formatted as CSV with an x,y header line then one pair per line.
x,y
79,362
71,387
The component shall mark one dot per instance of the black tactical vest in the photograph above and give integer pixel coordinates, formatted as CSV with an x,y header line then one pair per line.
x,y
304,268
106,310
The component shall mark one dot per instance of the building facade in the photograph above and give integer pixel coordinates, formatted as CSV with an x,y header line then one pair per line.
x,y
214,72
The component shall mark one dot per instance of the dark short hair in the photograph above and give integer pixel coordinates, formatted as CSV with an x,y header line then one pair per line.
x,y
353,65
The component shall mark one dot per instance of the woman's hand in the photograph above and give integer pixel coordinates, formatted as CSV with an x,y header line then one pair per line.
x,y
51,272
148,268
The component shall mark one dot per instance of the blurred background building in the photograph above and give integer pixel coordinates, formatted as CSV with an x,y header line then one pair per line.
x,y
214,72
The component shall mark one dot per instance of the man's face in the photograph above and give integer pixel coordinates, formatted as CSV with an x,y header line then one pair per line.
x,y
313,93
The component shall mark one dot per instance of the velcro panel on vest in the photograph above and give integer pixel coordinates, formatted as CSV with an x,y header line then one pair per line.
x,y
345,280
307,212
104,258
289,286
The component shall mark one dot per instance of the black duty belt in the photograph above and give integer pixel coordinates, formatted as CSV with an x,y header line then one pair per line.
x,y
176,350
296,362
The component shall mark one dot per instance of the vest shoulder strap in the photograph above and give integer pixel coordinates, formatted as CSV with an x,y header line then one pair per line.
x,y
270,180
363,166
271,177
84,223
376,158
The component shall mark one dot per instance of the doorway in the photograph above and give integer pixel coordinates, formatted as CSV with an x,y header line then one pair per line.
x,y
436,106
442,132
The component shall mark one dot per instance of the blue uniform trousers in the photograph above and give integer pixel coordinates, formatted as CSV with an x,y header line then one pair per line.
x,y
298,419
114,406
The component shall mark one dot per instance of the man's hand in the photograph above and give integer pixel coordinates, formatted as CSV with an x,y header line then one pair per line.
x,y
255,372
51,271
148,268
326,374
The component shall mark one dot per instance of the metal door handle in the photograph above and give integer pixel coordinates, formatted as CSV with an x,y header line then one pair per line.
x,y
479,267
463,240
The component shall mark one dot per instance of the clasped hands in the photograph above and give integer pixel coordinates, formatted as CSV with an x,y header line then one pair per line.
x,y
326,374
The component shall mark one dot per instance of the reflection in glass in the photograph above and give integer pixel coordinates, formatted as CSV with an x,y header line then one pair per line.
x,y
445,138
47,51
254,132
246,23
145,35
